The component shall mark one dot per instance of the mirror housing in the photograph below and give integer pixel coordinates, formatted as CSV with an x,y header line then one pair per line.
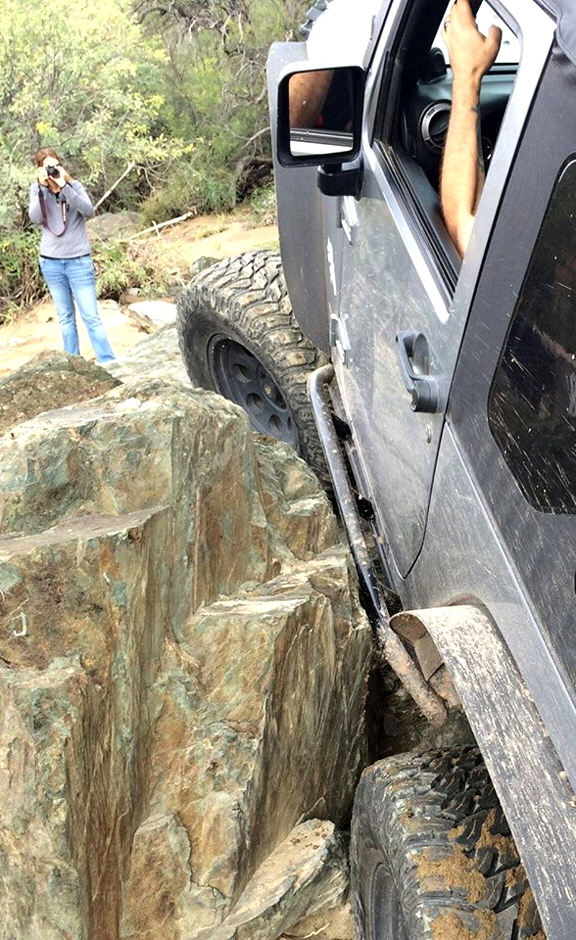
x,y
319,114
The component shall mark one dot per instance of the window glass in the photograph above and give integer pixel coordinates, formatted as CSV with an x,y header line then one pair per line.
x,y
509,53
532,408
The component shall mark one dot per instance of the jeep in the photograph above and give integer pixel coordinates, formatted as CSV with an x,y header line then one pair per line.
x,y
437,396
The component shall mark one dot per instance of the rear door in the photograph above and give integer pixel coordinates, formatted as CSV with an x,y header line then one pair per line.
x,y
404,299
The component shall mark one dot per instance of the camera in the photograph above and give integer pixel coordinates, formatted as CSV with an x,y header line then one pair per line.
x,y
53,171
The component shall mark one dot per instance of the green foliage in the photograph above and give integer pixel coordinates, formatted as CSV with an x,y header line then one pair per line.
x,y
263,204
203,186
121,266
217,53
92,88
21,283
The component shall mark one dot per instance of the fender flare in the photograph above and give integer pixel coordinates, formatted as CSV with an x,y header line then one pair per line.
x,y
532,786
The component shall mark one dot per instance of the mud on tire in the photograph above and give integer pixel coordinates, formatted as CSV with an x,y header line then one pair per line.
x,y
432,856
238,336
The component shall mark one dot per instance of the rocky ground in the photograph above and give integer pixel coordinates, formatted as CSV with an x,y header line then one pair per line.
x,y
183,661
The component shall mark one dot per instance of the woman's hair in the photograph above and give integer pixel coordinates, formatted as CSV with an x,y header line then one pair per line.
x,y
43,153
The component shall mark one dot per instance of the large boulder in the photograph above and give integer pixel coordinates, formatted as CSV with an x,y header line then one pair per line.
x,y
50,380
155,356
182,669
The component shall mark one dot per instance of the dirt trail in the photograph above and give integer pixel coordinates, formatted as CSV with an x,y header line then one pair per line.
x,y
216,237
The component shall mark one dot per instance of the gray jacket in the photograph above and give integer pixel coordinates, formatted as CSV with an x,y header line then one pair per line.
x,y
59,241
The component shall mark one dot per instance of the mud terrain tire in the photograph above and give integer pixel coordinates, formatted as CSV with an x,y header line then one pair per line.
x,y
432,856
238,337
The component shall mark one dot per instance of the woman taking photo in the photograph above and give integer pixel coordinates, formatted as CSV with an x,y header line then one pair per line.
x,y
60,205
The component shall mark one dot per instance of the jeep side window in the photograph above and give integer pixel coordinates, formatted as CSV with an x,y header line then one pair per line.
x,y
413,132
509,50
532,406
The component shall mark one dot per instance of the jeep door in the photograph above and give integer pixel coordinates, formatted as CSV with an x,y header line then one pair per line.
x,y
404,298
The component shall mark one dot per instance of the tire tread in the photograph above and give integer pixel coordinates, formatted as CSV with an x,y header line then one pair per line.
x,y
246,298
432,819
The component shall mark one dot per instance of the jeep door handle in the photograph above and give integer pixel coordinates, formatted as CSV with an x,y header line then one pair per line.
x,y
414,358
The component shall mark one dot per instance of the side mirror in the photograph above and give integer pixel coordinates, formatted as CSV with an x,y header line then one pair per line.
x,y
319,115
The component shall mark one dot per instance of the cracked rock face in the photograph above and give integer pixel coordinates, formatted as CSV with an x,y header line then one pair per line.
x,y
182,671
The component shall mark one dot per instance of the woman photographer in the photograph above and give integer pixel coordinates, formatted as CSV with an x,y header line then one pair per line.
x,y
60,205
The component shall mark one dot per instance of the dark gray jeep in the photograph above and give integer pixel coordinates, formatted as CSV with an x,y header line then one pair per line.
x,y
442,407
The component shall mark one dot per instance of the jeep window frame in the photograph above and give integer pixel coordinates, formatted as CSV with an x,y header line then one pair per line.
x,y
437,256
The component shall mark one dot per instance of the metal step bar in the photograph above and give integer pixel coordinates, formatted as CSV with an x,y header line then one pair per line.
x,y
389,643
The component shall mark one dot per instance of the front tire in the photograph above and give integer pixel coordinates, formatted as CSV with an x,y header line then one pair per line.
x,y
432,857
238,337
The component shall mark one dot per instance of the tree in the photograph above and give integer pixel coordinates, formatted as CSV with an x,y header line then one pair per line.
x,y
92,88
218,50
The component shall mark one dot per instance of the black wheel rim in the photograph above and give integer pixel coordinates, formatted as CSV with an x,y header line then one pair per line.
x,y
385,914
241,377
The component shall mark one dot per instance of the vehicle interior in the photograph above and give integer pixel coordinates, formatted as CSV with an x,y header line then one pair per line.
x,y
427,90
413,113
413,134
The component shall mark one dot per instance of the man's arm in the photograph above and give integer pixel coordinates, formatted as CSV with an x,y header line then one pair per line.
x,y
462,180
307,94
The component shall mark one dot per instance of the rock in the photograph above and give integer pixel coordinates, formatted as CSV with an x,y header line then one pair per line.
x,y
40,885
49,381
150,315
269,732
307,873
328,924
182,668
155,356
110,225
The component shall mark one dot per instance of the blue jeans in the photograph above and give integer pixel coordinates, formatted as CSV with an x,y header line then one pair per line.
x,y
69,280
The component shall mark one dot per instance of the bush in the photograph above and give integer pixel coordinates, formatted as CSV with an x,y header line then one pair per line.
x,y
200,187
263,204
21,284
122,266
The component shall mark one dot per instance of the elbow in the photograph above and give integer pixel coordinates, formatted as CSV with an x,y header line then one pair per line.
x,y
459,227
85,207
462,234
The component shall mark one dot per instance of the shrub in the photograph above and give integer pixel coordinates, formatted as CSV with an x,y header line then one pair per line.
x,y
198,187
122,266
21,284
263,204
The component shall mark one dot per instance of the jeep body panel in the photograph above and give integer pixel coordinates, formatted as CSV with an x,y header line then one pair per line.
x,y
540,544
513,692
301,209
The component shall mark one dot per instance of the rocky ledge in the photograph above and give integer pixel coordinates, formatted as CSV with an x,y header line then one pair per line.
x,y
183,660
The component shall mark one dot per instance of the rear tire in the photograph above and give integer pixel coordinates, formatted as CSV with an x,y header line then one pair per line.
x,y
238,337
432,856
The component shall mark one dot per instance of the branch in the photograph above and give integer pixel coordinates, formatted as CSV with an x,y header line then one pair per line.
x,y
112,188
156,228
